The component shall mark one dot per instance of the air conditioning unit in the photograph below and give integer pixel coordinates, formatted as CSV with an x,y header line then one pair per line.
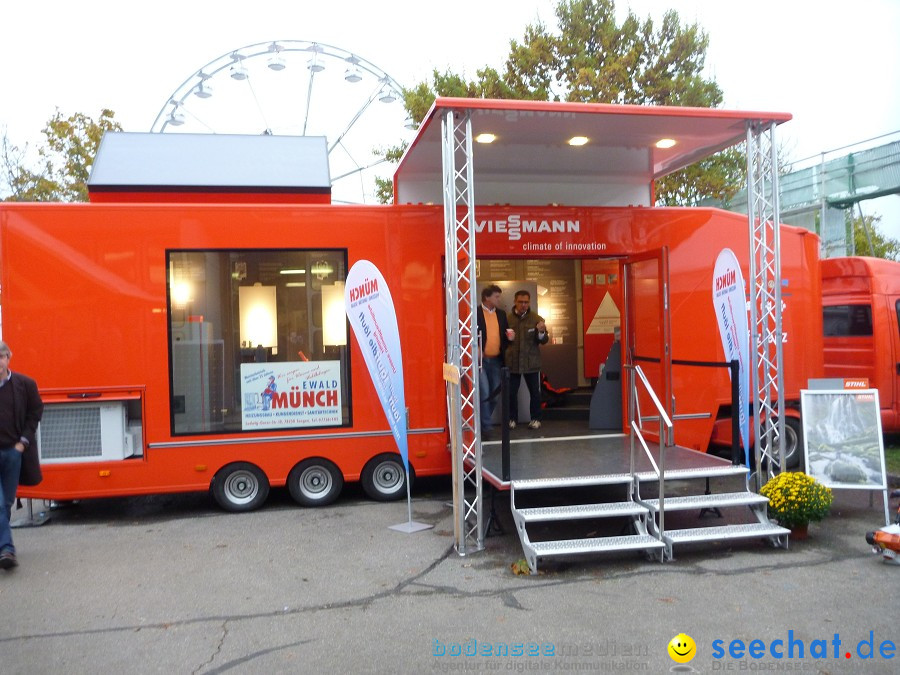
x,y
84,432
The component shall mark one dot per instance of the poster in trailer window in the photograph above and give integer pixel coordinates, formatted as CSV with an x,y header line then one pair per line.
x,y
370,310
291,394
730,304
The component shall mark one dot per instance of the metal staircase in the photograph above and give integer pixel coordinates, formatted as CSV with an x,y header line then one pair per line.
x,y
552,514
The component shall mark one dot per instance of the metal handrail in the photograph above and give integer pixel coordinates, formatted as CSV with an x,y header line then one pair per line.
x,y
737,457
664,423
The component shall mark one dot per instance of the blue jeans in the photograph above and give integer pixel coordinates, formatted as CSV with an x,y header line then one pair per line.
x,y
488,382
10,465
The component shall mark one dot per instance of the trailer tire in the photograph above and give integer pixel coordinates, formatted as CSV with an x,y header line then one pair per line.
x,y
793,443
240,487
383,478
315,482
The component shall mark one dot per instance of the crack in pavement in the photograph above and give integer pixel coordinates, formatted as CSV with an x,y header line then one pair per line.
x,y
218,649
418,588
165,625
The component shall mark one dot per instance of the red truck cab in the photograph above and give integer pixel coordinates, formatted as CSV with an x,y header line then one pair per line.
x,y
861,322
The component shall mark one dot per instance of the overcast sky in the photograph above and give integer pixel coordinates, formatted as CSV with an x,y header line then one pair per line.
x,y
830,63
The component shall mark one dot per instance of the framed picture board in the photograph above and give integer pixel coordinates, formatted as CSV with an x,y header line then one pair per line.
x,y
842,438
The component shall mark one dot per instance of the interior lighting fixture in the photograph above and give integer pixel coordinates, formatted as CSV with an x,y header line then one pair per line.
x,y
296,284
334,317
276,62
182,294
314,65
292,271
664,143
321,269
203,90
485,138
258,311
578,140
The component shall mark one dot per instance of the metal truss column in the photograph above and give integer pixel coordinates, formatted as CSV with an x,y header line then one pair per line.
x,y
462,344
765,298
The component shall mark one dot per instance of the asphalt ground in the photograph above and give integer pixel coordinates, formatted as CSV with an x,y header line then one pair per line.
x,y
170,584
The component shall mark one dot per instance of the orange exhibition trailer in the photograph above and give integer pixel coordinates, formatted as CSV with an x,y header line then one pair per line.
x,y
130,318
153,318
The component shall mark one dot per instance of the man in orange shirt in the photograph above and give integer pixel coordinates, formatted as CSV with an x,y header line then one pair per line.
x,y
493,337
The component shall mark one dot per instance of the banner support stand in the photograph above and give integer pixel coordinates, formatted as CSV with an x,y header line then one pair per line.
x,y
410,526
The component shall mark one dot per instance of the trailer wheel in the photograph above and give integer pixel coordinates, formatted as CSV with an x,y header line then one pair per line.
x,y
793,442
240,487
315,482
383,477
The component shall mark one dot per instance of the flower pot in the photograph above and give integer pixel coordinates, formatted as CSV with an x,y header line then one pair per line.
x,y
800,531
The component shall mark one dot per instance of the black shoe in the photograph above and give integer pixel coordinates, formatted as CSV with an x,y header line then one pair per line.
x,y
8,560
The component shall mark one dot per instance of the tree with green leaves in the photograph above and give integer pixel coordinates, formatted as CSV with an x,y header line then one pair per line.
x,y
869,240
592,58
64,160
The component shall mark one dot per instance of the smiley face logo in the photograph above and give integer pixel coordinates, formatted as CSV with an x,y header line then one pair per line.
x,y
682,648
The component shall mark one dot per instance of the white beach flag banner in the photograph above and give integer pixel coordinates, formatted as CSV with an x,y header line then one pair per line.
x,y
371,312
730,304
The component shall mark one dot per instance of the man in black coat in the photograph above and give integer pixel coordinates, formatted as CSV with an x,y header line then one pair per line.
x,y
20,411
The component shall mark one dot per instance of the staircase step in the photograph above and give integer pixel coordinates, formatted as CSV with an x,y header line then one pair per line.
x,y
571,481
698,472
713,501
576,511
746,531
632,542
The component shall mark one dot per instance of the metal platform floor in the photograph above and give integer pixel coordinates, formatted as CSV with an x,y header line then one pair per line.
x,y
548,454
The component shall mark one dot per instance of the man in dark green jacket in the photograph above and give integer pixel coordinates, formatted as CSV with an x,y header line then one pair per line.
x,y
523,357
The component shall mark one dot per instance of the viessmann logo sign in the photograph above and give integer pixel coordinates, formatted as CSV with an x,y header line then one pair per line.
x,y
514,226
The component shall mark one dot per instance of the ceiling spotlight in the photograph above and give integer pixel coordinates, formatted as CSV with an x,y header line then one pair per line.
x,y
387,95
203,90
314,65
238,72
485,138
664,143
276,62
353,74
578,140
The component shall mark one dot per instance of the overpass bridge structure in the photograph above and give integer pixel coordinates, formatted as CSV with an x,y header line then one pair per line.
x,y
818,195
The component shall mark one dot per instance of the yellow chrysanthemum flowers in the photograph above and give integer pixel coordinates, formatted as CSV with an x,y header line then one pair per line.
x,y
796,499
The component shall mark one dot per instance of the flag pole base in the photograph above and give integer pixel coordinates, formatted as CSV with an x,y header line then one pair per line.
x,y
410,527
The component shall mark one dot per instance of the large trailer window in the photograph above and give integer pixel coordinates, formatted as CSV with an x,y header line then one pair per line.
x,y
257,340
847,320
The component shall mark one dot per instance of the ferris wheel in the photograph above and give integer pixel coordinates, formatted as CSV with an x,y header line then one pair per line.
x,y
299,88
